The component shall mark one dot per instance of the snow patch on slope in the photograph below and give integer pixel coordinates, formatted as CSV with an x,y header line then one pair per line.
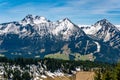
x,y
90,29
98,47
118,26
10,28
107,37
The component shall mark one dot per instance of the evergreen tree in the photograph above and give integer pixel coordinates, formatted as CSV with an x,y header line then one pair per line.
x,y
98,75
117,72
17,75
26,76
107,76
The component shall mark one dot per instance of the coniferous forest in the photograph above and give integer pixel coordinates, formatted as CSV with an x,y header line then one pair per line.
x,y
103,71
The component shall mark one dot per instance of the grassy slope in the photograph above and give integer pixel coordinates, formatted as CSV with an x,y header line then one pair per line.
x,y
58,56
76,56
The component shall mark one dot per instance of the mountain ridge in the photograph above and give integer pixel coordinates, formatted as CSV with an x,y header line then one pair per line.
x,y
36,36
105,31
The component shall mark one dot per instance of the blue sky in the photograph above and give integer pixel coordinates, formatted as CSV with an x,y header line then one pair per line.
x,y
78,11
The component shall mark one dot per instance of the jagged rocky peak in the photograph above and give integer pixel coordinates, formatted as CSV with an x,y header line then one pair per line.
x,y
67,29
102,29
102,22
106,30
40,17
30,19
29,16
105,25
65,20
65,25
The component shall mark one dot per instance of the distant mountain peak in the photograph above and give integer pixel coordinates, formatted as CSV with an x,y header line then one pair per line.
x,y
40,18
64,20
67,20
29,16
103,22
30,19
34,16
106,30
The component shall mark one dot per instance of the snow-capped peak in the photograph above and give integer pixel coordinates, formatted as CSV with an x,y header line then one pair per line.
x,y
105,30
30,19
105,25
65,20
29,16
101,25
103,21
66,28
38,25
65,24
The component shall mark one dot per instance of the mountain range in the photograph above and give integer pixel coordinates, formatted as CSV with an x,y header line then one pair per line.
x,y
36,36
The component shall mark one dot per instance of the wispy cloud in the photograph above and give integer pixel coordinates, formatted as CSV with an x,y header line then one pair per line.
x,y
76,6
74,9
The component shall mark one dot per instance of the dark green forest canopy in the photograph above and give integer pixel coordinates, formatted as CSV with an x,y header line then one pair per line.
x,y
56,63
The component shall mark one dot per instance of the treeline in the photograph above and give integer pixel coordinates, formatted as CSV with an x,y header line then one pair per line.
x,y
108,73
20,61
104,71
55,64
68,65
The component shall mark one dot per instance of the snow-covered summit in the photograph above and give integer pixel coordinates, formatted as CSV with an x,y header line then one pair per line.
x,y
101,25
36,34
30,19
66,28
105,31
31,25
102,22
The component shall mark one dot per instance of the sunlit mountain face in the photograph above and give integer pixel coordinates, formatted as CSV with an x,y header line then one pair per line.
x,y
36,36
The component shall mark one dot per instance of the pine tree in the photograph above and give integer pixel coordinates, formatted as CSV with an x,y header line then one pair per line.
x,y
117,72
107,76
98,75
17,75
26,76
